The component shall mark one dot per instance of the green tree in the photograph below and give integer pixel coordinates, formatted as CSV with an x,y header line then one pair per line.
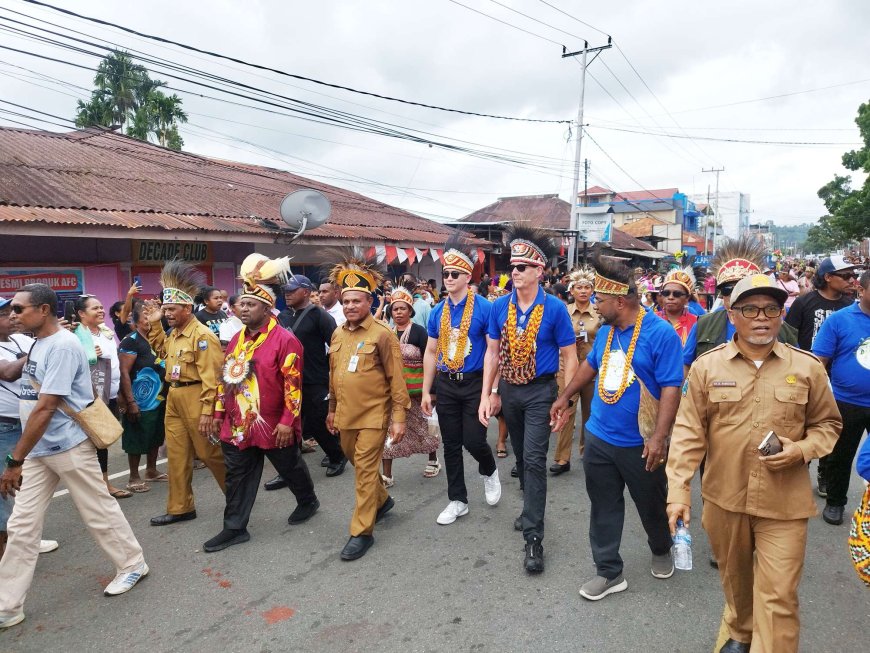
x,y
125,95
824,237
849,208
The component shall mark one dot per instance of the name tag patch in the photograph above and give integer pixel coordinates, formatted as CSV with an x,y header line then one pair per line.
x,y
724,384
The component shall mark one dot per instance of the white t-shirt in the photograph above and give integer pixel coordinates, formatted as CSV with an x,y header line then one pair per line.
x,y
10,391
337,313
106,340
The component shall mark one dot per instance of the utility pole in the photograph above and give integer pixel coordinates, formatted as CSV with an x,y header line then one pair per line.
x,y
716,217
573,223
585,197
707,223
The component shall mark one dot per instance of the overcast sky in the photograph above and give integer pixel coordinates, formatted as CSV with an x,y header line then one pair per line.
x,y
694,56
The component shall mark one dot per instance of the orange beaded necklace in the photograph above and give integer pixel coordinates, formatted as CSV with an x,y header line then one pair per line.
x,y
612,397
457,360
520,347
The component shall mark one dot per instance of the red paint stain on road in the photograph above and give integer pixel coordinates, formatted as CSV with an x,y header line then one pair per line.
x,y
225,584
278,614
105,580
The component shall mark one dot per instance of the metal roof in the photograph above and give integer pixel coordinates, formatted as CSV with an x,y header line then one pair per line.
x,y
99,177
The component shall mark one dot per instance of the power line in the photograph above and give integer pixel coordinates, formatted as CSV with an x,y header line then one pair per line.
x,y
582,22
295,76
722,140
532,18
503,22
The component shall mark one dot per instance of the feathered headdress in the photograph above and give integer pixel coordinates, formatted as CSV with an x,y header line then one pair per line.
x,y
262,277
357,271
736,259
684,278
585,275
500,288
459,254
181,282
613,276
529,245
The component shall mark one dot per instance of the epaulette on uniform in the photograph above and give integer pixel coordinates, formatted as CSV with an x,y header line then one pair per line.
x,y
803,351
710,351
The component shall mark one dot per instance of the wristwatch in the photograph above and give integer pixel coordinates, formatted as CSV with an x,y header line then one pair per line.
x,y
11,462
494,391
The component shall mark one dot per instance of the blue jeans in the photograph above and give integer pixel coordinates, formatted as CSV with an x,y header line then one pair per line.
x,y
10,434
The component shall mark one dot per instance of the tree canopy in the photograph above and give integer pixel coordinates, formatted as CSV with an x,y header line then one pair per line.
x,y
126,96
848,216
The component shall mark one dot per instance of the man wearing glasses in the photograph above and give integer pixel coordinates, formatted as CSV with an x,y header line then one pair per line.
x,y
756,507
734,260
53,449
455,350
528,332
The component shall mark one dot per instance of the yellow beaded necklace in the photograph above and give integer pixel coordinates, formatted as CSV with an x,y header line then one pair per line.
x,y
455,362
612,397
520,347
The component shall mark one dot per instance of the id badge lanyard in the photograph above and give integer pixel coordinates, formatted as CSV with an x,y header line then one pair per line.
x,y
353,363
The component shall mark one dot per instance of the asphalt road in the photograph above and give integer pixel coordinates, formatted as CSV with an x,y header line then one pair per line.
x,y
422,587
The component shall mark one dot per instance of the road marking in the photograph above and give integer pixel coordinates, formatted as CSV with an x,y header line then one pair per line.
x,y
61,493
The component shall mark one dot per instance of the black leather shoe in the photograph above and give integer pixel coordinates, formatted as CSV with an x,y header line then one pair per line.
x,y
226,538
713,562
384,509
324,462
356,547
165,520
556,468
833,514
336,469
514,472
534,562
733,646
275,484
518,523
303,512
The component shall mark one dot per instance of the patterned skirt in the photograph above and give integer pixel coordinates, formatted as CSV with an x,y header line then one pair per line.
x,y
417,438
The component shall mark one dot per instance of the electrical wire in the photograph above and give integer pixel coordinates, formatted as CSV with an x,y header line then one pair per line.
x,y
724,140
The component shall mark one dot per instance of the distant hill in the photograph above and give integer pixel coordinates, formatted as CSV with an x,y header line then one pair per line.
x,y
790,235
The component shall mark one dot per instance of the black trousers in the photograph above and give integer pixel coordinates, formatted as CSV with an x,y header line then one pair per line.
x,y
608,469
838,469
526,409
315,407
245,470
458,402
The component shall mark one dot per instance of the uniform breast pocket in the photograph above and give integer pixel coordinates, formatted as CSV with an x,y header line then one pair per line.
x,y
791,404
368,357
726,404
187,360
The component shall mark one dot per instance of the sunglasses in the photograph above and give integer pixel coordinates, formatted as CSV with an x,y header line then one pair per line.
x,y
18,309
726,290
519,267
845,276
451,274
674,293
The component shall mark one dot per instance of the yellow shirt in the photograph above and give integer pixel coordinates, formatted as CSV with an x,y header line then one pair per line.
x,y
728,407
587,321
367,397
196,350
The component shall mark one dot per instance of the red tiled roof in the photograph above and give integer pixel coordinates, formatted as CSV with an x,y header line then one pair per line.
x,y
635,195
597,190
642,227
544,211
103,178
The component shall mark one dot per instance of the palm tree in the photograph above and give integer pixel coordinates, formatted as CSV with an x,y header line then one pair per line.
x,y
167,113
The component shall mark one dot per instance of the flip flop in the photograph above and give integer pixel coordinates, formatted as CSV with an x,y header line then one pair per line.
x,y
501,453
138,488
432,468
160,478
198,464
121,494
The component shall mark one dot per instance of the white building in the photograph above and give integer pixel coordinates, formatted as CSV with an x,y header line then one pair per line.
x,y
734,212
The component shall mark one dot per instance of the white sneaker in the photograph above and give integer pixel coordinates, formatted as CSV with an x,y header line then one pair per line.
x,y
11,620
492,488
47,546
125,581
453,510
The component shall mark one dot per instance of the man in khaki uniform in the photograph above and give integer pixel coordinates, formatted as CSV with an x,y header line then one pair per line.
x,y
366,388
756,507
193,359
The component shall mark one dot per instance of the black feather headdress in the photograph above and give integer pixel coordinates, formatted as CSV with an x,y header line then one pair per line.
x,y
530,245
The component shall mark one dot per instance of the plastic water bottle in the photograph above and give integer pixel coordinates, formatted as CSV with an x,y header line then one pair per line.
x,y
682,547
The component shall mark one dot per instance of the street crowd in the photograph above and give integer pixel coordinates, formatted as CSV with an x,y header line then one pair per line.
x,y
743,372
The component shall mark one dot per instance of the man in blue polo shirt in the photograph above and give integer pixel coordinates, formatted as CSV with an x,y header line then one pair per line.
x,y
528,331
844,341
457,344
637,362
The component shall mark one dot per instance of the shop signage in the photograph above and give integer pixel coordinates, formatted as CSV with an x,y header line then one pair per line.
x,y
594,224
157,252
61,280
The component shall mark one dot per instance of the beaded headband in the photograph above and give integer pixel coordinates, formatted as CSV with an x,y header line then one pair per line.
x,y
456,260
525,251
735,270
176,296
684,278
400,294
609,286
261,293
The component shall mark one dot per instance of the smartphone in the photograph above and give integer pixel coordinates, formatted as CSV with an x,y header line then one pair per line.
x,y
69,311
137,281
770,445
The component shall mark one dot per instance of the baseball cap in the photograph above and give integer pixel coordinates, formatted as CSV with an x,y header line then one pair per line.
x,y
5,301
833,264
757,284
298,281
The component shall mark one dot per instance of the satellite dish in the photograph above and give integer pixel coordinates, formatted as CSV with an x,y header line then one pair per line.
x,y
305,209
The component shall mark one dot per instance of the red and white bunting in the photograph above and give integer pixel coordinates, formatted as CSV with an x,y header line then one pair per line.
x,y
392,254
401,254
419,253
381,252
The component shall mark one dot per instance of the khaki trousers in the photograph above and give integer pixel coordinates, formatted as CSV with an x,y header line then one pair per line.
x,y
183,439
760,566
566,435
79,471
364,449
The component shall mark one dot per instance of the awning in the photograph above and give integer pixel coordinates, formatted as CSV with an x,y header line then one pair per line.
x,y
645,253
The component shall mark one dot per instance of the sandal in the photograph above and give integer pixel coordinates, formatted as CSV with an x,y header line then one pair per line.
x,y
501,453
138,488
432,469
198,464
160,478
388,481
120,494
